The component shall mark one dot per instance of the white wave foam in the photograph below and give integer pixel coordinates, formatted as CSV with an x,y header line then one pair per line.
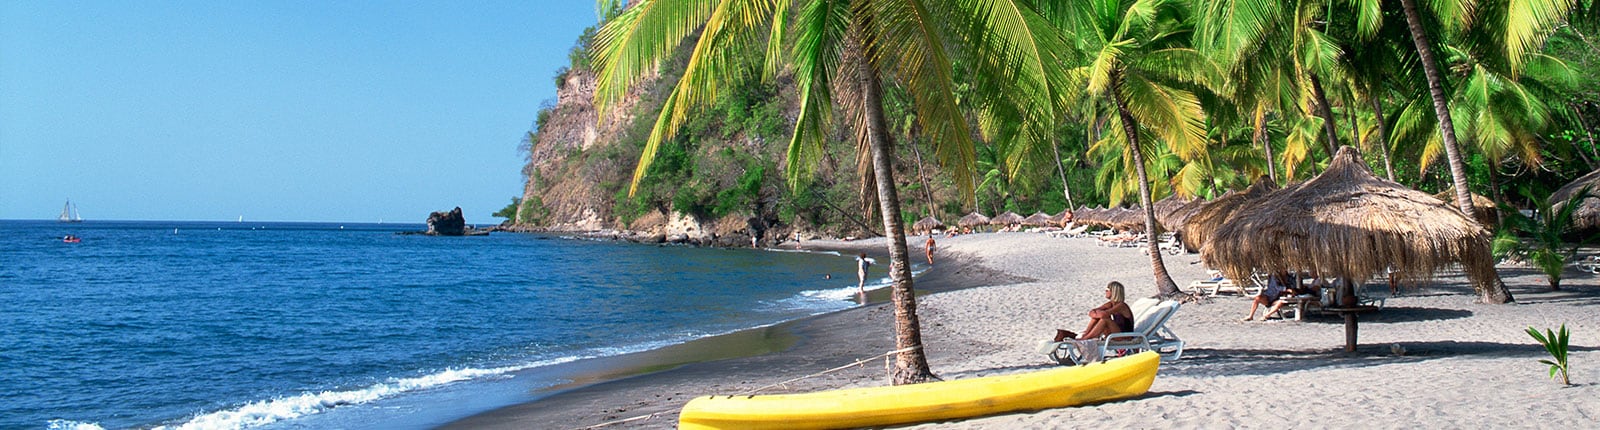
x,y
73,425
284,408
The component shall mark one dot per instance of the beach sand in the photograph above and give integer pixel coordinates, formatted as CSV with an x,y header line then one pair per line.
x,y
992,297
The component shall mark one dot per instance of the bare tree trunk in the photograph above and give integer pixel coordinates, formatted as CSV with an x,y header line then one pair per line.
x,y
911,366
1578,111
1383,136
1326,110
1266,146
1494,193
923,177
1165,287
1066,189
1494,291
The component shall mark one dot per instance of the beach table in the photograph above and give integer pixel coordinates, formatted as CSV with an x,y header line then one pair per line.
x,y
1349,313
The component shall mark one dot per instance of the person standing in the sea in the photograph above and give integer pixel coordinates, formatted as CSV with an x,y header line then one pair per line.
x,y
861,272
930,249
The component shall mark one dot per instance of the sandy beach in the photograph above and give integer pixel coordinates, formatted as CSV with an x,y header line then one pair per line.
x,y
1430,358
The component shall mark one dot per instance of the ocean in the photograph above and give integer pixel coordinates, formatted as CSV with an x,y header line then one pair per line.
x,y
344,325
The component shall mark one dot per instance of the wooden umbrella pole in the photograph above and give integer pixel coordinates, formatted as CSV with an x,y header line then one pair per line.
x,y
1349,332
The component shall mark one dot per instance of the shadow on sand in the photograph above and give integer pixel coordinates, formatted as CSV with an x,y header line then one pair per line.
x,y
1200,361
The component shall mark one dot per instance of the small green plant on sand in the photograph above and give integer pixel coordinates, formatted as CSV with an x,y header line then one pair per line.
x,y
1556,344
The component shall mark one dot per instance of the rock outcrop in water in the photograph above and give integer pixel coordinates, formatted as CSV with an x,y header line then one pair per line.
x,y
447,223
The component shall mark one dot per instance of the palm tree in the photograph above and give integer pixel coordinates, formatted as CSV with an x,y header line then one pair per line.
x,y
1138,58
839,51
1277,53
1516,29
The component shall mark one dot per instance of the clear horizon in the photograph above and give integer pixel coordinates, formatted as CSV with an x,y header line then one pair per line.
x,y
282,111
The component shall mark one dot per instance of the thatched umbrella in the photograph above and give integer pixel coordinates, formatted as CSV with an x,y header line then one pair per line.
x,y
1483,209
1126,219
1349,224
1165,207
973,220
1091,216
1008,218
1062,219
926,225
1038,219
1175,219
1587,215
1197,228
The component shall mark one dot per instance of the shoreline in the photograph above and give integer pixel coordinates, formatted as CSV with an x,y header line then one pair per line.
x,y
1430,346
593,399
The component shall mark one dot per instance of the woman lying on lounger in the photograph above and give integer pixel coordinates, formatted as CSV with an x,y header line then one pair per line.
x,y
1112,317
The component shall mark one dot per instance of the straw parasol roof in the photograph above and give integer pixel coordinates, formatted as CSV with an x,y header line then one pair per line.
x,y
1007,218
973,220
1587,215
1165,208
927,225
1038,219
1091,216
1127,219
1174,220
1063,218
1197,228
1483,209
1349,224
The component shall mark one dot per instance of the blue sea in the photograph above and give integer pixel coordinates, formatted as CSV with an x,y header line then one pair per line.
x,y
343,325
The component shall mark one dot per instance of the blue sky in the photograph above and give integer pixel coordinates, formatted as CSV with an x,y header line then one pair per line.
x,y
275,111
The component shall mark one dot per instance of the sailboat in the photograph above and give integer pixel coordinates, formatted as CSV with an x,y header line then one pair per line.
x,y
69,213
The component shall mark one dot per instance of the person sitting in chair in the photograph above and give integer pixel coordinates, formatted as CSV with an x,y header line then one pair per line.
x,y
1112,317
1276,285
1311,292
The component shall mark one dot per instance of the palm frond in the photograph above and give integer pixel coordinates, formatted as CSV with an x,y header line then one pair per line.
x,y
630,47
921,64
817,59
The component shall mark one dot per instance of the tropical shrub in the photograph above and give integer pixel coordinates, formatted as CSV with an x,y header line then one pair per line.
x,y
1556,344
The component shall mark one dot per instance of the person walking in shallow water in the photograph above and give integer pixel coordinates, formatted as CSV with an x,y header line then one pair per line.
x,y
862,263
930,249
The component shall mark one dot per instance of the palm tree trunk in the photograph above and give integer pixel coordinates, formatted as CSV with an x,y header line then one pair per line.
x,y
911,367
1383,136
1326,110
923,177
1494,193
1578,111
1447,128
1266,147
1066,189
1493,291
1165,287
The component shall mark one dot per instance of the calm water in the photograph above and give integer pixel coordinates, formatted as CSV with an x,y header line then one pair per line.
x,y
312,325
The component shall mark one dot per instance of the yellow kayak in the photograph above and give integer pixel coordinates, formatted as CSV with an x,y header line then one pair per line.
x,y
879,406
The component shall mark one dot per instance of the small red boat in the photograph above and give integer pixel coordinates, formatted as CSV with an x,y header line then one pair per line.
x,y
71,239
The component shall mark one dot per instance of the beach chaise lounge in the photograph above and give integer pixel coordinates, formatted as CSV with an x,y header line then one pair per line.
x,y
1218,284
1150,333
1077,231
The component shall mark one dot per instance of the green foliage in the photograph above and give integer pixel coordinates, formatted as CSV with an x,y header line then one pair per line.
x,y
510,211
532,211
1546,248
627,209
1555,343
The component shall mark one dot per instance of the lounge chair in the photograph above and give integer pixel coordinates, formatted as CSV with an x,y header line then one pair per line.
x,y
1150,333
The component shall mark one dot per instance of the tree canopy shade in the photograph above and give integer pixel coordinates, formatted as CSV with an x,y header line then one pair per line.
x,y
1349,224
